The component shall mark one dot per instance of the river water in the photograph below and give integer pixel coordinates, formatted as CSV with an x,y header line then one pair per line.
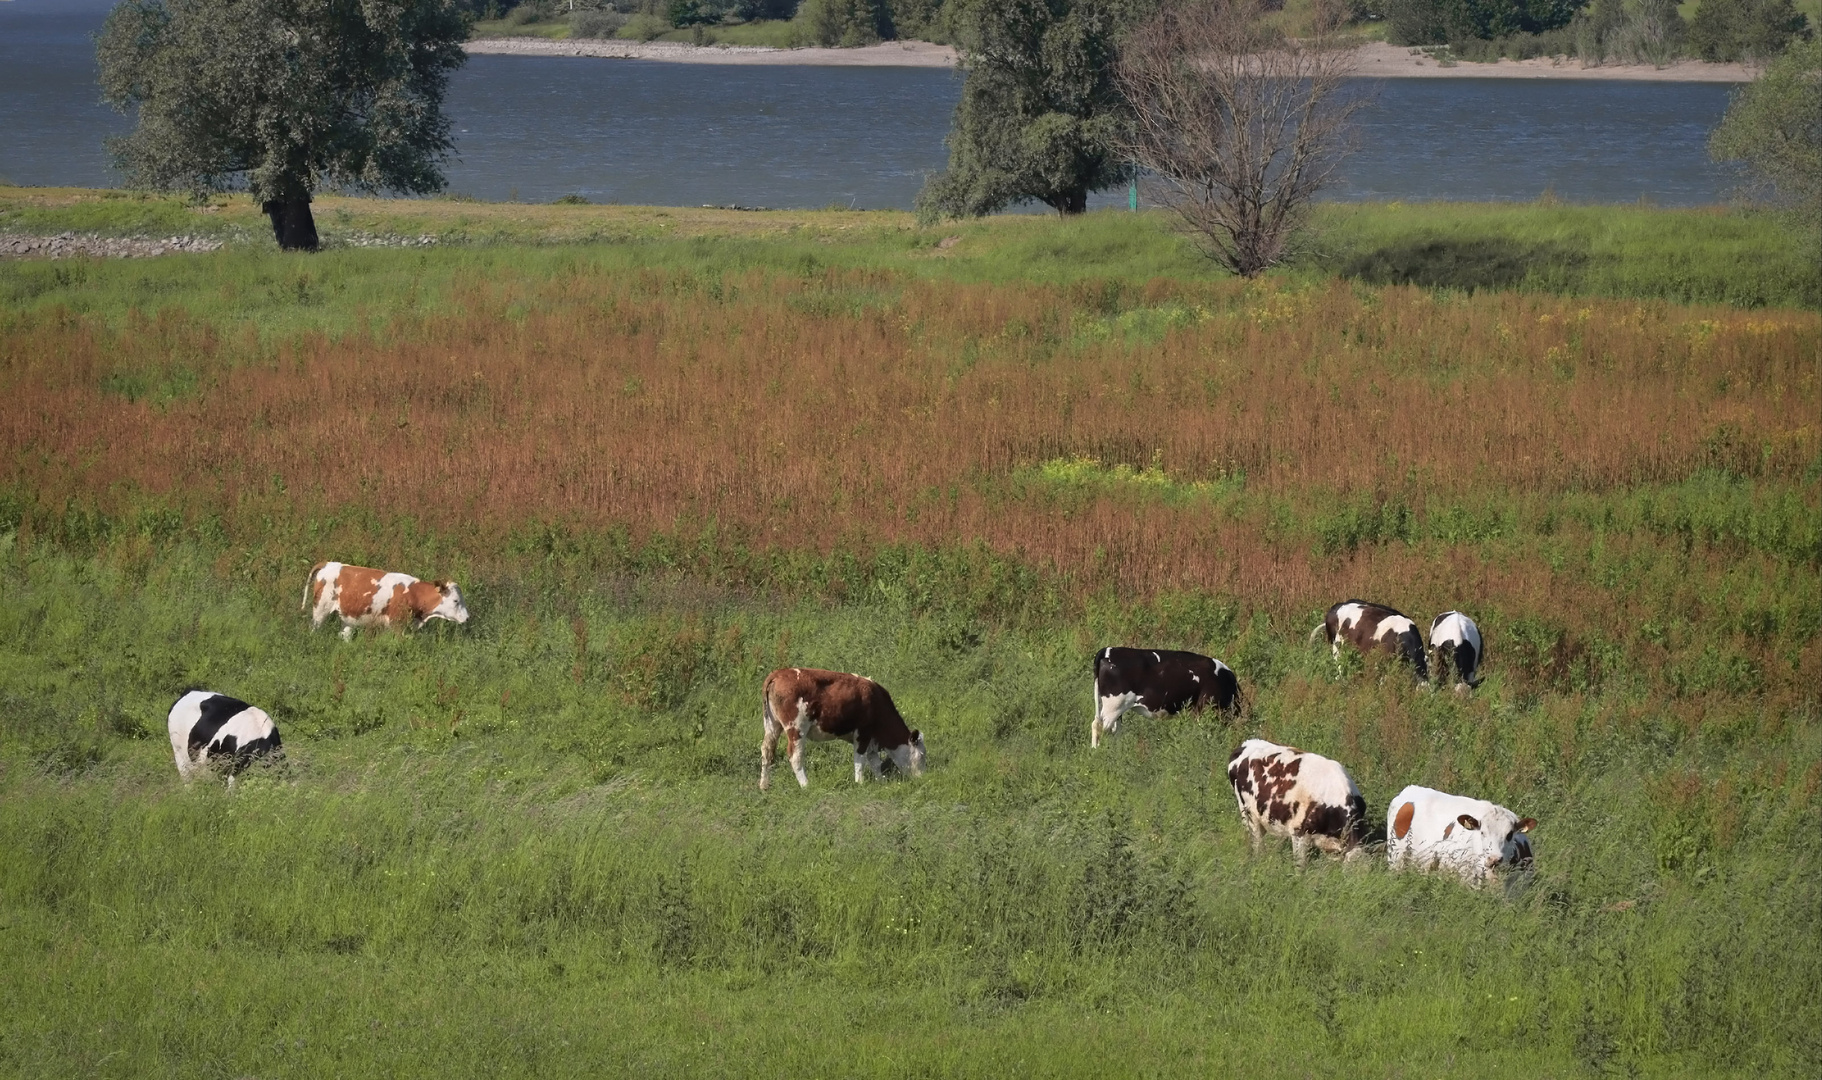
x,y
628,131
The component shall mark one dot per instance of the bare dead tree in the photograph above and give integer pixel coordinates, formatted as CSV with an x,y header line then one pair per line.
x,y
1232,130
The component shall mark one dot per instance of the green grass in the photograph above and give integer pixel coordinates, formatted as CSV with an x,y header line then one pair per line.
x,y
503,848
1700,256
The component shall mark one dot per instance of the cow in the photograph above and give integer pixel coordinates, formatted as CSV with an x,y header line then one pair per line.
x,y
1456,642
1306,797
363,596
1473,838
209,729
1368,626
1154,681
810,704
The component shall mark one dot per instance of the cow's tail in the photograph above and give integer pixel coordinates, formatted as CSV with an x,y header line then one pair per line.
x,y
310,584
765,703
1318,635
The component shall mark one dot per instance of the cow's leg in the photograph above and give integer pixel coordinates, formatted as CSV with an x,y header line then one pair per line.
x,y
1108,710
1300,848
794,741
1257,830
347,631
768,747
861,764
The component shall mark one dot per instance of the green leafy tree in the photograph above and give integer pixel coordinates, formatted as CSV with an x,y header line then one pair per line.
x,y
1438,22
1774,125
1039,111
1745,29
283,97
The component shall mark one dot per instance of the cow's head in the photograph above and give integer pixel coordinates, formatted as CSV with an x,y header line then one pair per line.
x,y
1499,840
910,756
449,605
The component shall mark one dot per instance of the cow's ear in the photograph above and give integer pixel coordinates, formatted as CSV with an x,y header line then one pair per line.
x,y
917,736
1468,822
1527,825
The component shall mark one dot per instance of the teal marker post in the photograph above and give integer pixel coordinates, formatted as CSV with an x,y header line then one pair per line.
x,y
1132,198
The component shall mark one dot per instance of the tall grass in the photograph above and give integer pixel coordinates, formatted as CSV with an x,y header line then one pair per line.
x,y
536,845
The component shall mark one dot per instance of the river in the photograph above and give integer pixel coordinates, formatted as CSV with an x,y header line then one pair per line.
x,y
633,131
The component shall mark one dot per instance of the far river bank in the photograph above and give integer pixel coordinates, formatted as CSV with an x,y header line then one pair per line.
x,y
1375,60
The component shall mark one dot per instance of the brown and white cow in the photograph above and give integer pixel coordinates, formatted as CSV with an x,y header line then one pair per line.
x,y
1367,627
812,705
1305,797
363,596
1472,838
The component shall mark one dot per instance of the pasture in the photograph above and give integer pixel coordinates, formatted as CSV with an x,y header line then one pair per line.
x,y
660,466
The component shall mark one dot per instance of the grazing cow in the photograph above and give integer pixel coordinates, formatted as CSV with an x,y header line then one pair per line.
x,y
1456,641
1287,792
363,596
1373,626
209,728
1431,830
809,704
1156,681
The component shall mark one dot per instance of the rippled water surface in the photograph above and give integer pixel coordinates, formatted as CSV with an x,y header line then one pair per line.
x,y
632,131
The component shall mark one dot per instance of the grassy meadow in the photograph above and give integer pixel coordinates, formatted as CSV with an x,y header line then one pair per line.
x,y
664,451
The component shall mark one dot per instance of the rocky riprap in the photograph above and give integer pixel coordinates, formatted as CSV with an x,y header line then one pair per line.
x,y
69,245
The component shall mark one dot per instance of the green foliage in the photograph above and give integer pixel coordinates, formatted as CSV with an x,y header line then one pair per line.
x,y
1438,22
1775,127
1038,110
1745,29
283,96
846,23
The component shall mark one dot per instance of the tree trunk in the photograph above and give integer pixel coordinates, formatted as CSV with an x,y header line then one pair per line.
x,y
293,226
1073,201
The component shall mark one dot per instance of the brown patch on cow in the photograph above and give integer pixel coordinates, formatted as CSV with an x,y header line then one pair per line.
x,y
1401,825
356,586
841,706
1447,831
1280,812
424,596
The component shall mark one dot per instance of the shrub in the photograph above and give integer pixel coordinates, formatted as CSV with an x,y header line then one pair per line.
x,y
605,23
1438,22
1745,29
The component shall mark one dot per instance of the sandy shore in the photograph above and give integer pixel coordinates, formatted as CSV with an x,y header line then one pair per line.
x,y
1378,60
1382,61
888,54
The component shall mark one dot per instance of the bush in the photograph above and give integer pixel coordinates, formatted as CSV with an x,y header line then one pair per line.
x,y
1438,22
846,23
605,23
1745,29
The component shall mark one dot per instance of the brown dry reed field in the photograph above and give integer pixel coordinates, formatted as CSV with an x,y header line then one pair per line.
x,y
1265,442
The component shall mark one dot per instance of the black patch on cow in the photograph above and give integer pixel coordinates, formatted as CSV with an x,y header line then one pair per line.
x,y
217,709
227,750
1346,823
1166,680
1410,646
1464,660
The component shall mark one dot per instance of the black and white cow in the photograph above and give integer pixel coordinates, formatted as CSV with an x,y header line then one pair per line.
x,y
1456,642
1306,797
209,729
1367,627
1155,681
